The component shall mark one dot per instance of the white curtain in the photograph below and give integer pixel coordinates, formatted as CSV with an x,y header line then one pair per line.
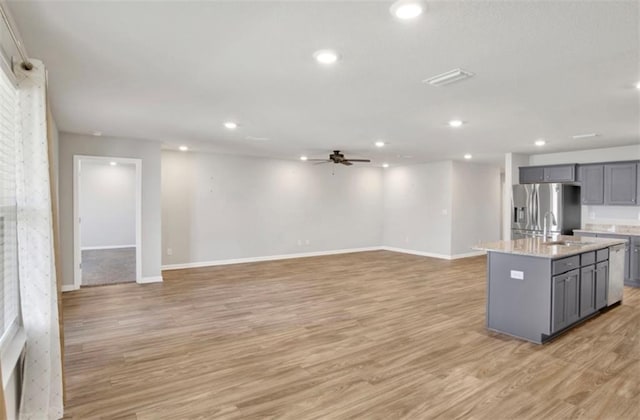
x,y
42,380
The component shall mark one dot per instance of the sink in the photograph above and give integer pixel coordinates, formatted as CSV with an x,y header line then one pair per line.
x,y
565,243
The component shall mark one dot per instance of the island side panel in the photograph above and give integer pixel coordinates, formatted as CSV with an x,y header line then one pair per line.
x,y
519,307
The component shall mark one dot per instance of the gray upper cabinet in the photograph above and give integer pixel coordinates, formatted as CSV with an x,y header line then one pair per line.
x,y
592,184
620,183
603,183
560,173
531,175
554,173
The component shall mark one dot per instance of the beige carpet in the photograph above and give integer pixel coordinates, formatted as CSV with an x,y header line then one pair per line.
x,y
108,266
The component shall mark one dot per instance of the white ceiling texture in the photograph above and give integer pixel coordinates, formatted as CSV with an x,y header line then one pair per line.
x,y
175,71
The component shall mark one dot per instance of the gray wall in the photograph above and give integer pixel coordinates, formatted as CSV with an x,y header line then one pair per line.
x,y
441,209
217,207
149,152
417,207
476,206
108,204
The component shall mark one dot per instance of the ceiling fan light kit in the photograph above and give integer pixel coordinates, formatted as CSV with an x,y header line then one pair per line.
x,y
338,158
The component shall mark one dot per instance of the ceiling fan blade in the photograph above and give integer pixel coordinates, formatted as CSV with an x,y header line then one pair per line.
x,y
358,160
318,160
346,162
321,162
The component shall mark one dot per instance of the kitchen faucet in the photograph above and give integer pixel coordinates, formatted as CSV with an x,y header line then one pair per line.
x,y
544,224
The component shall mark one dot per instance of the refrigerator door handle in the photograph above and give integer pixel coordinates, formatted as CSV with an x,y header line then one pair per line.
x,y
530,224
535,207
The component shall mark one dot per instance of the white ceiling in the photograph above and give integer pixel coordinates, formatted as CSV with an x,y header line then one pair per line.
x,y
175,71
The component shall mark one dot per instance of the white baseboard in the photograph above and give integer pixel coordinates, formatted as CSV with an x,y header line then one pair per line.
x,y
468,255
419,253
146,280
94,248
267,258
68,287
434,255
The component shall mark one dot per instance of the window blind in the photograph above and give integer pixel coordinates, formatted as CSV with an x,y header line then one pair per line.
x,y
9,294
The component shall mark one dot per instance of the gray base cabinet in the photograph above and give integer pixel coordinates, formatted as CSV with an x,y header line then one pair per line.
x,y
566,298
537,298
634,261
631,256
587,290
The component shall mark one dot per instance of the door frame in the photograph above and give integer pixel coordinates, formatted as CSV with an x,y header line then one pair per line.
x,y
77,249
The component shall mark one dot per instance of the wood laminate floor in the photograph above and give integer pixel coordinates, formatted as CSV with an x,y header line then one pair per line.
x,y
372,335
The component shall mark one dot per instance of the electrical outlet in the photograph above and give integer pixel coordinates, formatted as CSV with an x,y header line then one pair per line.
x,y
307,242
169,251
299,242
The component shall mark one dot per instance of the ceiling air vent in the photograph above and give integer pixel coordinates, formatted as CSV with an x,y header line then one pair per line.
x,y
452,76
585,136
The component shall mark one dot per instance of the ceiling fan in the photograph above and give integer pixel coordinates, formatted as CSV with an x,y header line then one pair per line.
x,y
337,157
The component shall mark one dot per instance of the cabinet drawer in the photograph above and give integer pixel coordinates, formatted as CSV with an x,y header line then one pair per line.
x,y
588,258
602,255
565,264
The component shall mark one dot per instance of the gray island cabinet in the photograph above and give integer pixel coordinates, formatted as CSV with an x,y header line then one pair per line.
x,y
538,289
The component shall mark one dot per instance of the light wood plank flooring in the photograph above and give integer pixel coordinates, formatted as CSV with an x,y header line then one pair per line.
x,y
374,335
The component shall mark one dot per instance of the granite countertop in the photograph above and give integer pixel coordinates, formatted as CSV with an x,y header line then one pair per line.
x,y
536,247
632,230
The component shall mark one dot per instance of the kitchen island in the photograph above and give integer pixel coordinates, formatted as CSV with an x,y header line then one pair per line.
x,y
538,289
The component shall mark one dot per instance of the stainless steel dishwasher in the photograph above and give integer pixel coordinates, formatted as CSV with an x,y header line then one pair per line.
x,y
616,273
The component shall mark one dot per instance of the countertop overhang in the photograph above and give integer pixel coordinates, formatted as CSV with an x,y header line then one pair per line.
x,y
537,247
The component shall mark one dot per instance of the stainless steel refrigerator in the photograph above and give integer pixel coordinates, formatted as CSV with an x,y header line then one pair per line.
x,y
531,202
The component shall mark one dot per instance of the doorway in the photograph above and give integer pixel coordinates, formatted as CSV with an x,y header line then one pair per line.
x,y
107,219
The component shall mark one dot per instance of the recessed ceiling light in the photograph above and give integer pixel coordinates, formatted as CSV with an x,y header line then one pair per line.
x,y
385,165
325,56
638,85
406,9
112,163
183,148
231,125
455,123
96,133
380,143
468,156
540,142
303,158
584,136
